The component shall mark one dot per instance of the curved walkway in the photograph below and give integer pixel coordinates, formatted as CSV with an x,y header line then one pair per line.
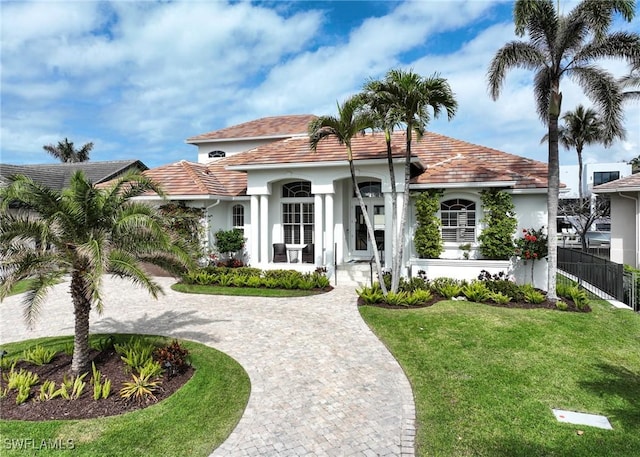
x,y
321,383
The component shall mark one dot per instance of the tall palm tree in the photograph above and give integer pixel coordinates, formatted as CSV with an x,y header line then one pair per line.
x,y
581,127
352,120
567,45
83,231
411,100
65,152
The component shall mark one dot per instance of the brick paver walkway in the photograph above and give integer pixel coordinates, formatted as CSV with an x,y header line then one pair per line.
x,y
321,383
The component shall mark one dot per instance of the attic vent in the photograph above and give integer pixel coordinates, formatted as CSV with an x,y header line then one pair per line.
x,y
217,154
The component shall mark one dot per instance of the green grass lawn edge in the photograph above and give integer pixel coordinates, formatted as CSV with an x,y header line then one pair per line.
x,y
242,291
194,421
486,378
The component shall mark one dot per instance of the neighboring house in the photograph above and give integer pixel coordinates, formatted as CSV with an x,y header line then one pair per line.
x,y
273,187
593,174
625,218
57,175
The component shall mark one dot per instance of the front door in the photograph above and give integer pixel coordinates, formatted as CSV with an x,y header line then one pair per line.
x,y
361,247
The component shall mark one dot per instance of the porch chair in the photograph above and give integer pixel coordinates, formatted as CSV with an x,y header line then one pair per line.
x,y
279,253
308,254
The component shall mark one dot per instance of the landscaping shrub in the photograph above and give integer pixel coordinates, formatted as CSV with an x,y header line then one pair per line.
x,y
39,355
174,358
370,295
476,291
413,284
396,299
447,287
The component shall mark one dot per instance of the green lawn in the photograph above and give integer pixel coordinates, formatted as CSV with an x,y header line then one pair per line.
x,y
192,422
242,291
486,378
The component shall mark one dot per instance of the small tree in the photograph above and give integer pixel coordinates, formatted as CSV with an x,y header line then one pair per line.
x,y
582,215
500,223
427,239
186,222
229,242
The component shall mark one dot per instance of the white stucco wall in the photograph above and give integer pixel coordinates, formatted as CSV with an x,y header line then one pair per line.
x,y
230,147
624,227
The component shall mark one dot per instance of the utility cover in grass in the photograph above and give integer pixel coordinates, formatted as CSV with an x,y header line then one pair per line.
x,y
592,420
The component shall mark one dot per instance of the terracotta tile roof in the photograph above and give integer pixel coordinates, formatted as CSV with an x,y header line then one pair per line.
x,y
275,126
628,183
447,160
195,179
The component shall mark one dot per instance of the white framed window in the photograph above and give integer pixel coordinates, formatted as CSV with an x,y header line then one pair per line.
x,y
458,217
237,217
297,212
370,189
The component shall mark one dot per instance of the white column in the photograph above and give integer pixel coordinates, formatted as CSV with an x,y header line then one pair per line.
x,y
264,229
329,230
318,227
254,242
401,197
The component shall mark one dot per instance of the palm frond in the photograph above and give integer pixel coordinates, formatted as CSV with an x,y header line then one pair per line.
x,y
39,287
124,265
515,54
602,89
598,14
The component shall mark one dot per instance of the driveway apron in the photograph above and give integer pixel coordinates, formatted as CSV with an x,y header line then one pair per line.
x,y
321,383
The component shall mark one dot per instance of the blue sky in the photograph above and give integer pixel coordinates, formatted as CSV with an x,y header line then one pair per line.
x,y
138,78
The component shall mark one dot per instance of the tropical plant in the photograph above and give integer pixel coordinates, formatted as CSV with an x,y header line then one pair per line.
x,y
532,295
140,388
428,239
186,223
396,298
411,100
476,291
84,231
174,358
447,287
351,121
500,223
65,152
499,298
567,45
39,355
370,295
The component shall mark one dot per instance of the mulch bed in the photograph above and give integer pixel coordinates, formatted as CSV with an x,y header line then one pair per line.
x,y
571,306
85,407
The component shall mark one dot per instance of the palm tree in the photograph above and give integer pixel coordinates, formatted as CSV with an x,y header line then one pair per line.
x,y
567,45
631,81
65,152
581,127
86,232
409,100
352,120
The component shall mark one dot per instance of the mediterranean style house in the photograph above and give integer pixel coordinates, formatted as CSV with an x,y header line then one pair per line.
x,y
298,207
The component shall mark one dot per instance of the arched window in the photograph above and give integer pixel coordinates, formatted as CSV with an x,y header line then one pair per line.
x,y
371,189
458,218
237,216
217,154
297,212
297,189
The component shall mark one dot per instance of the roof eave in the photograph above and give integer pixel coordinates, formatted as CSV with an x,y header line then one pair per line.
x,y
325,164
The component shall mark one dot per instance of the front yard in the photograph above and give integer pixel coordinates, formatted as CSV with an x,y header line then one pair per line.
x,y
486,378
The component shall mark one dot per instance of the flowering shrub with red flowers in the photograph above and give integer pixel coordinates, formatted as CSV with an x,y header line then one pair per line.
x,y
532,245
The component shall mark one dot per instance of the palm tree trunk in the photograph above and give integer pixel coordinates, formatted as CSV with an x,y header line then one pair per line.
x,y
81,310
367,222
553,178
405,205
580,196
395,280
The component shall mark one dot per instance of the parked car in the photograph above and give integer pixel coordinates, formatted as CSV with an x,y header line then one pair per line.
x,y
598,239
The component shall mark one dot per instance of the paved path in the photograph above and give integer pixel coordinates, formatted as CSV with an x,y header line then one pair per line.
x,y
321,383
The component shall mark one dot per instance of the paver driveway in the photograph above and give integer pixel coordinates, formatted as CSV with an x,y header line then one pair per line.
x,y
321,382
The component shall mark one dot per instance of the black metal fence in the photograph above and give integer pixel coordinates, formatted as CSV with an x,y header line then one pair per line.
x,y
603,274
